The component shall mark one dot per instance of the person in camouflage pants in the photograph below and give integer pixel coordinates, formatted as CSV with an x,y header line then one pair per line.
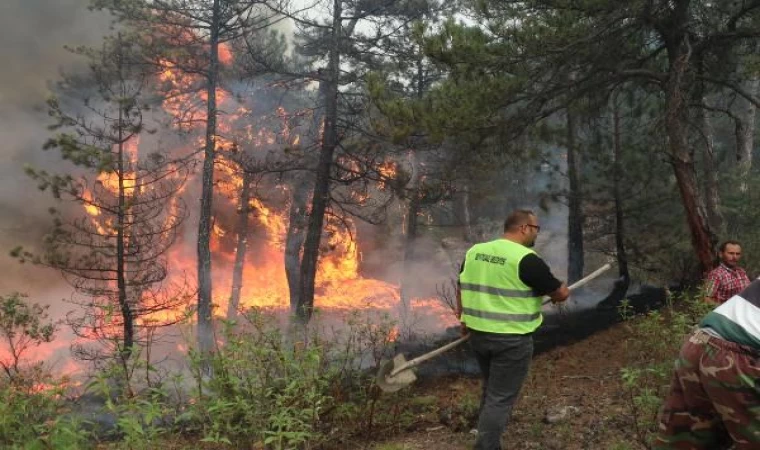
x,y
714,399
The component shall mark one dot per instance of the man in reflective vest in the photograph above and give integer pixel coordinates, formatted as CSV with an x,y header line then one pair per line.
x,y
501,286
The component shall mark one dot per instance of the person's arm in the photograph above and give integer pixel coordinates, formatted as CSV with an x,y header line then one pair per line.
x,y
536,273
711,284
462,325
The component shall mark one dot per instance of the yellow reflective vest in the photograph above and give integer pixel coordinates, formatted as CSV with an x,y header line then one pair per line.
x,y
494,299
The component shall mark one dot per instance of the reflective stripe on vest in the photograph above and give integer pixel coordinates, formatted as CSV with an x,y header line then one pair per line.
x,y
496,291
494,299
500,316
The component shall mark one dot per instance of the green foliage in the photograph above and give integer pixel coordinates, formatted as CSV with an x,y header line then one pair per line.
x,y
658,337
23,326
33,412
141,416
464,412
268,388
37,419
625,310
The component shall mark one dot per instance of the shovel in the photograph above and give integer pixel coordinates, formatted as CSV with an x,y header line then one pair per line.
x,y
398,374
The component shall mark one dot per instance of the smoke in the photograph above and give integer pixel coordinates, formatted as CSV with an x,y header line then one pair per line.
x,y
32,38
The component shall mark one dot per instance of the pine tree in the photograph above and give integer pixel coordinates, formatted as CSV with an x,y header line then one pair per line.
x,y
113,248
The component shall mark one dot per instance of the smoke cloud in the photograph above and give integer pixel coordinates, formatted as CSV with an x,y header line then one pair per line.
x,y
33,34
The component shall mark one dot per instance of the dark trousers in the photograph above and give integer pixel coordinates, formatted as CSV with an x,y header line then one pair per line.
x,y
504,361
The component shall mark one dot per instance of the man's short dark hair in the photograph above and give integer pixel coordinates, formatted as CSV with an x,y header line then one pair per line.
x,y
516,218
723,245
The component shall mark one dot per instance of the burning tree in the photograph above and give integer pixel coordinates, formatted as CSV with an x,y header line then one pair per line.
x,y
113,250
189,36
255,154
347,34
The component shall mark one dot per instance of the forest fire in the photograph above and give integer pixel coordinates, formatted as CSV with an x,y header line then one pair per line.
x,y
340,287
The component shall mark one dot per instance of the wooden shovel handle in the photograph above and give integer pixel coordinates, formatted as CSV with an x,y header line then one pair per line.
x,y
584,280
450,345
426,356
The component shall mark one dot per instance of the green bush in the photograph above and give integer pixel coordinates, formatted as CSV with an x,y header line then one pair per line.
x,y
265,388
38,419
270,388
658,337
33,412
142,417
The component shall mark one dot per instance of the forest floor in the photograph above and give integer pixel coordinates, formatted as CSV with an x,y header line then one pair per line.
x,y
582,379
580,393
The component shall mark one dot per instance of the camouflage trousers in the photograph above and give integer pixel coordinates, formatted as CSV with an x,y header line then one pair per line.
x,y
714,399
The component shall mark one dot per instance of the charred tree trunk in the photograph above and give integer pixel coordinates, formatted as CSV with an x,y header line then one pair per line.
x,y
410,238
676,121
575,211
244,211
321,196
205,310
294,240
620,251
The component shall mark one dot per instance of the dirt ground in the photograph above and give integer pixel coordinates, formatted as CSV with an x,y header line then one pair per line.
x,y
581,380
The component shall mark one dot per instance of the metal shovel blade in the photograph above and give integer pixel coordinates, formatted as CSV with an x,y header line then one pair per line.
x,y
400,380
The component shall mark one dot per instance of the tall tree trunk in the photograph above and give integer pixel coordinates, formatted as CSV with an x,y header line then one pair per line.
x,y
128,327
205,325
413,209
617,154
676,122
467,216
298,217
575,211
121,236
294,240
244,211
710,172
321,194
745,132
135,286
415,196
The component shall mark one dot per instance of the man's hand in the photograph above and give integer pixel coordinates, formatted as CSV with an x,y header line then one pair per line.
x,y
560,294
